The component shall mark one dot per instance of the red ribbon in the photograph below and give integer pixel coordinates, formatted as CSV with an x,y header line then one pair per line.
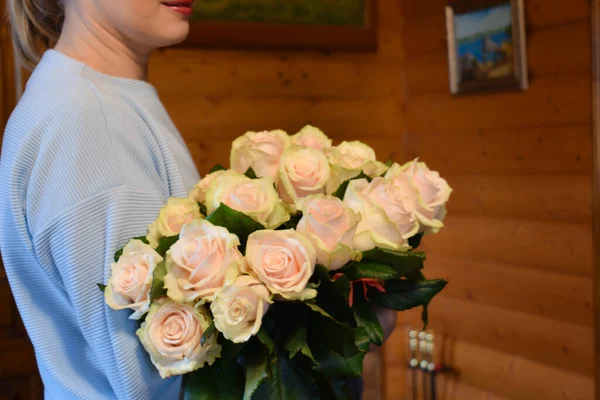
x,y
366,282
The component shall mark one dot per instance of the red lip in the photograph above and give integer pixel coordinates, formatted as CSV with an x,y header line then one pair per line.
x,y
181,6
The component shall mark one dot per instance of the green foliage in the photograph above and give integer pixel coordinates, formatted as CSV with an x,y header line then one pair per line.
x,y
207,334
404,294
157,291
404,262
369,270
292,222
295,342
216,168
119,252
235,221
341,191
257,370
365,317
285,381
223,381
165,243
251,174
415,241
202,208
265,339
101,287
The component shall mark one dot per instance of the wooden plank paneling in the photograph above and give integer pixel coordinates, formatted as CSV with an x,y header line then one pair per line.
x,y
554,246
276,77
228,118
544,340
548,150
549,102
515,287
564,198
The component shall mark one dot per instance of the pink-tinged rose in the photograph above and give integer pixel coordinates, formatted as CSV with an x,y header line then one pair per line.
x,y
260,151
202,261
387,219
283,260
239,308
433,189
131,279
176,213
330,225
309,136
171,335
347,161
198,193
256,198
303,171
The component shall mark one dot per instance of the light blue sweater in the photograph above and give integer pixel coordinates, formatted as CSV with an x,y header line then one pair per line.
x,y
87,162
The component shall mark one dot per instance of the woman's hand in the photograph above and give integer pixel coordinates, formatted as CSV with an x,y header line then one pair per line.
x,y
387,318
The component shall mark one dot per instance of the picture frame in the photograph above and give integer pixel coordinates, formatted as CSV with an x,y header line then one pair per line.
x,y
486,46
297,36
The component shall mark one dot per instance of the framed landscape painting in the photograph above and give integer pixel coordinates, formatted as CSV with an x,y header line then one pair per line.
x,y
486,45
287,24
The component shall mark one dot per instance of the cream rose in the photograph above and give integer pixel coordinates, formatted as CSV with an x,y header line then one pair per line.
x,y
131,279
303,171
387,215
256,198
176,213
309,136
198,193
171,335
348,159
433,189
202,261
259,150
283,260
330,225
238,309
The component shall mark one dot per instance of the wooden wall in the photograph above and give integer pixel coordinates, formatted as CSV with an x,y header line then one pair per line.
x,y
518,312
215,96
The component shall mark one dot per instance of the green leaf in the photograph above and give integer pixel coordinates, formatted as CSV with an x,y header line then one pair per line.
x,y
341,191
307,352
207,334
101,287
250,173
216,168
369,270
158,284
335,335
389,162
202,208
415,241
119,252
223,381
230,350
165,243
334,389
285,382
235,221
295,343
265,339
403,294
292,222
334,365
256,373
404,262
365,317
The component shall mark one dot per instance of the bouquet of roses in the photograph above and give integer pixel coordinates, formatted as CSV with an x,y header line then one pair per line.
x,y
262,283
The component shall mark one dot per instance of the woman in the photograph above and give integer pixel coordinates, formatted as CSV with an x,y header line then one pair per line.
x,y
89,157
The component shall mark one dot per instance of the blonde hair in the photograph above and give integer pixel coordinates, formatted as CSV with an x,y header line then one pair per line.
x,y
35,27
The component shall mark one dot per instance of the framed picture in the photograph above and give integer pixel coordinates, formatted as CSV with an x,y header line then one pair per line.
x,y
289,24
486,45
